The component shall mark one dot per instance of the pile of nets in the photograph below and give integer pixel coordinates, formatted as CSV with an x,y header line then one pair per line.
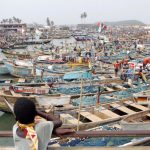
x,y
104,141
115,96
77,90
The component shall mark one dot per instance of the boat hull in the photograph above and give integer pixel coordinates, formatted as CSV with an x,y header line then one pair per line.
x,y
3,70
140,121
18,71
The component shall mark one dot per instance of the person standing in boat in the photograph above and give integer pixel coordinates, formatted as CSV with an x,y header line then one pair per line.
x,y
145,62
34,128
116,68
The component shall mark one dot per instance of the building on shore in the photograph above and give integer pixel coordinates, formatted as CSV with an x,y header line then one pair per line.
x,y
17,27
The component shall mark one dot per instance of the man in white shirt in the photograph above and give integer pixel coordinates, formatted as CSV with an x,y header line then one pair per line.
x,y
33,128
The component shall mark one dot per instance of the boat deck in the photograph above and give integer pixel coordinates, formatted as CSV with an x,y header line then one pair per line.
x,y
109,113
122,108
67,118
90,116
135,105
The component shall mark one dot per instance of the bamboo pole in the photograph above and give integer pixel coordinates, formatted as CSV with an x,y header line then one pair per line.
x,y
80,105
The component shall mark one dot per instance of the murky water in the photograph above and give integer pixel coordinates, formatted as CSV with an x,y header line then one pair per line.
x,y
6,123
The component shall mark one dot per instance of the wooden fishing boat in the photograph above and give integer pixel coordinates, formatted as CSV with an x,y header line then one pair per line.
x,y
90,117
26,69
34,41
142,97
139,121
64,68
3,69
48,59
77,75
18,71
101,80
15,54
18,46
33,88
45,101
103,114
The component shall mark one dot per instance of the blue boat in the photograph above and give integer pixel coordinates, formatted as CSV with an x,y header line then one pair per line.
x,y
77,75
18,71
3,70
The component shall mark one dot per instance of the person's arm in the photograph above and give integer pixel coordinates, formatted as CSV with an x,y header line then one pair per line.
x,y
57,124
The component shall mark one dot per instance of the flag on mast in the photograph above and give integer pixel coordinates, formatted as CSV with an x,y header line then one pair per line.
x,y
99,29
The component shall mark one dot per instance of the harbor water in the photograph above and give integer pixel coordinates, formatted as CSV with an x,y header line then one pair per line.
x,y
6,123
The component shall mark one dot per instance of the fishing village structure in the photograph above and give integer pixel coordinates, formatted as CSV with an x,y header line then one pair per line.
x,y
93,77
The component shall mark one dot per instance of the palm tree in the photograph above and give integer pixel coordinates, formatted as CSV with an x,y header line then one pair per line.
x,y
10,20
81,17
48,22
84,15
19,20
52,23
14,19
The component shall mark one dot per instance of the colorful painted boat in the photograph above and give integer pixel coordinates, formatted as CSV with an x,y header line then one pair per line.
x,y
18,71
142,97
32,88
49,60
14,54
44,102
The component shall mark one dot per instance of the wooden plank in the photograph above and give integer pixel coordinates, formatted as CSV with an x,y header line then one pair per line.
x,y
90,116
148,115
109,113
108,97
102,77
15,94
122,108
67,118
109,89
120,87
136,105
22,80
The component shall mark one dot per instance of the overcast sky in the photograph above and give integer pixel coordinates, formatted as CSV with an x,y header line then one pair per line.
x,y
69,11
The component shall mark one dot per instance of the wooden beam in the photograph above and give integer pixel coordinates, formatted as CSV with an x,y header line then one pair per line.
x,y
96,134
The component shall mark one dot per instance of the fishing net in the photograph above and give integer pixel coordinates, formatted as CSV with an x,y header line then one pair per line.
x,y
104,141
115,96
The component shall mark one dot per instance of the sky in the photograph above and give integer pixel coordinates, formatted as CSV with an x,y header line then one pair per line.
x,y
69,11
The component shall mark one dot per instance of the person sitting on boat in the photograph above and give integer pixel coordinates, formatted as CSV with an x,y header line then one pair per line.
x,y
34,128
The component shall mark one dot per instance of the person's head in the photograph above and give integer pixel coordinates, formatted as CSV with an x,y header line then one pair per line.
x,y
25,110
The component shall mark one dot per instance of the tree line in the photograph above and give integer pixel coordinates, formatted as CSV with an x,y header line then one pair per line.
x,y
11,20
